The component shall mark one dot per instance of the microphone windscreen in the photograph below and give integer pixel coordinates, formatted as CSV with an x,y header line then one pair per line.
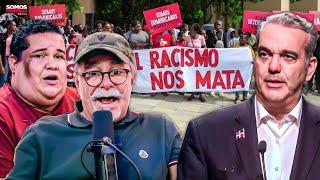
x,y
262,147
102,125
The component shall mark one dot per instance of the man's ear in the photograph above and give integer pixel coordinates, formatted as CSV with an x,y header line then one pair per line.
x,y
311,68
133,79
76,79
13,63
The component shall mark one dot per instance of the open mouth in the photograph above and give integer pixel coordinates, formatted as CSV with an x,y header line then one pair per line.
x,y
107,100
51,79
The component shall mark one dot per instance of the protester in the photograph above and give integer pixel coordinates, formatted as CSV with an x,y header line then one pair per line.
x,y
231,39
104,75
195,40
180,39
72,38
66,33
252,40
185,29
37,86
107,27
119,30
138,38
224,144
161,40
316,75
85,31
243,43
220,37
211,38
99,27
7,39
203,33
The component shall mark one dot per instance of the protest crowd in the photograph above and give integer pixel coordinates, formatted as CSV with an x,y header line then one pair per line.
x,y
32,51
140,37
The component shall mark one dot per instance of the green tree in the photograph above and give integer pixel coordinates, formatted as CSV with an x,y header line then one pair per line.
x,y
123,12
72,5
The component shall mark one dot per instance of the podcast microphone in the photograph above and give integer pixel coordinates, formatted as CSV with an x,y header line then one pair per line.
x,y
105,160
262,148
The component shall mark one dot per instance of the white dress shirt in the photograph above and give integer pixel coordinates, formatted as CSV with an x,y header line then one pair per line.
x,y
281,138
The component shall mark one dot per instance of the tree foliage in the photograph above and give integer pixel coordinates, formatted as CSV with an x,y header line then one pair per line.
x,y
123,12
72,5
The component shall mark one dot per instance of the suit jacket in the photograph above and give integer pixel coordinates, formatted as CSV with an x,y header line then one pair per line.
x,y
211,150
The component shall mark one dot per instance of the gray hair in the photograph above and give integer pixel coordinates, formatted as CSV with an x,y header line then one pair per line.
x,y
293,21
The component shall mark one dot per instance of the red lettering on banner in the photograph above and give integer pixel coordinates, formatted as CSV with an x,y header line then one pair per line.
x,y
139,67
180,83
173,54
154,57
228,77
166,80
238,80
201,59
215,54
188,56
206,80
155,81
165,60
182,58
70,70
69,55
218,81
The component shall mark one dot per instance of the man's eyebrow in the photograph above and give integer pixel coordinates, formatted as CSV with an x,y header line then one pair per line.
x,y
262,48
43,49
283,52
289,52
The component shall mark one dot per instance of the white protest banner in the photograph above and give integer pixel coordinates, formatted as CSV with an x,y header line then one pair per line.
x,y
193,70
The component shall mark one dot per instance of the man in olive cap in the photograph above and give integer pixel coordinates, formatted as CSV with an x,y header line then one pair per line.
x,y
104,76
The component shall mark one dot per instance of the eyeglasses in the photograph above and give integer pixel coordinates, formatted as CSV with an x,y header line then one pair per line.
x,y
116,76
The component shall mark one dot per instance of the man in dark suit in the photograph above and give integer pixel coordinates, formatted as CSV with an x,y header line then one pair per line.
x,y
224,144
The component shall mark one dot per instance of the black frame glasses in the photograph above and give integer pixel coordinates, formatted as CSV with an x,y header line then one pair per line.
x,y
116,76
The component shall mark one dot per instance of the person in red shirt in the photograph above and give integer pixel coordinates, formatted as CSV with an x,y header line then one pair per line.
x,y
37,85
163,40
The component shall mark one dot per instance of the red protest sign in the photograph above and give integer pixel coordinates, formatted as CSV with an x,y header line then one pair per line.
x,y
316,20
251,20
20,10
163,18
53,13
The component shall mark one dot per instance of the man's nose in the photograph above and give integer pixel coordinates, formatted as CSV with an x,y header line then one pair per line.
x,y
275,64
106,82
51,63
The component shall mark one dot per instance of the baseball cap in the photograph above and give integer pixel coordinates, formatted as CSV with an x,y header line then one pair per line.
x,y
107,41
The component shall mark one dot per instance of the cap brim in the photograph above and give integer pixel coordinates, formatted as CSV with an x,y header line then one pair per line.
x,y
115,51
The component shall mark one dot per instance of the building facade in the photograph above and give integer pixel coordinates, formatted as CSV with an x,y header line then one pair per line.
x,y
282,5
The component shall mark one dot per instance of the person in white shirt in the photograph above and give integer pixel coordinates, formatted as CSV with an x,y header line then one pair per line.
x,y
223,144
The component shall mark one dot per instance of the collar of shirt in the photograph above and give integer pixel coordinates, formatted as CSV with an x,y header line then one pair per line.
x,y
78,121
262,114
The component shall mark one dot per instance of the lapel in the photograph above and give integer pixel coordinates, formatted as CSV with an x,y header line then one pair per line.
x,y
248,146
307,143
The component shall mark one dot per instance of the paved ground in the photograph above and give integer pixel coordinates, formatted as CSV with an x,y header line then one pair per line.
x,y
182,111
